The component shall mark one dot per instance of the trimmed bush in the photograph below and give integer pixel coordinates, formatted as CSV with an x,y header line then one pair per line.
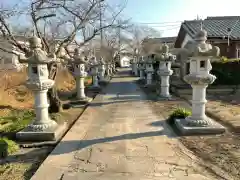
x,y
179,113
227,71
7,147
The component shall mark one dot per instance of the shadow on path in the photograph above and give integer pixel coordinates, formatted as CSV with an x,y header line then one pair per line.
x,y
112,102
70,146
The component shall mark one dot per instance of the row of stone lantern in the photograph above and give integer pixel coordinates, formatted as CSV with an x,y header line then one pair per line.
x,y
200,53
145,66
43,128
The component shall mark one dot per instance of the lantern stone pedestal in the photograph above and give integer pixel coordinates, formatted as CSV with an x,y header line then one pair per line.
x,y
102,71
42,128
94,73
107,70
141,68
149,71
164,72
135,66
199,78
165,60
114,67
79,74
111,69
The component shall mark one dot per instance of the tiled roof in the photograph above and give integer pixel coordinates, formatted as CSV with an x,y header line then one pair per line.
x,y
161,40
217,27
168,39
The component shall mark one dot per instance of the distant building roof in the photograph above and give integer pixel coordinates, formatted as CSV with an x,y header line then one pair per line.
x,y
217,27
161,40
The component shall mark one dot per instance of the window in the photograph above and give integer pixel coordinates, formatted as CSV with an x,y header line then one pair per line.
x,y
34,70
202,64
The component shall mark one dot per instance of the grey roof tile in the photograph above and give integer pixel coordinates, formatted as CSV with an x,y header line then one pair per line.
x,y
215,26
162,39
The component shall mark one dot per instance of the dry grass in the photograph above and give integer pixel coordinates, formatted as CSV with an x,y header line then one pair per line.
x,y
14,94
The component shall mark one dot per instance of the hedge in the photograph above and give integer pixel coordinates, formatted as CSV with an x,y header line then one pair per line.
x,y
227,71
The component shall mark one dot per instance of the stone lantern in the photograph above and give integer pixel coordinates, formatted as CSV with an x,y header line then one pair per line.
x,y
102,70
42,128
111,68
134,66
200,53
107,69
94,64
141,68
165,60
79,73
114,67
149,70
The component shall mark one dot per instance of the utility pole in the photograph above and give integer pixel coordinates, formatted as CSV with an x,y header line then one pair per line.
x,y
100,16
119,37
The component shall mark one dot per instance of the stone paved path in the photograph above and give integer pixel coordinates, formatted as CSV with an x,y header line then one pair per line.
x,y
114,139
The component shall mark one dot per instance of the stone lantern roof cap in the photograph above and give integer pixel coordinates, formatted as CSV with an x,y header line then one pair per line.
x,y
78,57
165,48
35,42
201,35
199,47
101,60
141,60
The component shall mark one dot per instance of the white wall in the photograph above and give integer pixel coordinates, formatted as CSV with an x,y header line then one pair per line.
x,y
125,61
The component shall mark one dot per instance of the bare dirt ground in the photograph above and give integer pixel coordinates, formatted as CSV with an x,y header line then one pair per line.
x,y
14,95
220,153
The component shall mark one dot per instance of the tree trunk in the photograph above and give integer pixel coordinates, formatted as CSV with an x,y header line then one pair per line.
x,y
55,104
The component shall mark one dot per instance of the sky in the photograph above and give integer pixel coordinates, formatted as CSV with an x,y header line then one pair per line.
x,y
170,13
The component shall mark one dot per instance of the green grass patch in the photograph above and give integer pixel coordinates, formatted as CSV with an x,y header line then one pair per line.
x,y
179,113
16,121
7,147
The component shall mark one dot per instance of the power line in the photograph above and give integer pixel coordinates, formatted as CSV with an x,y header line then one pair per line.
x,y
161,22
172,25
169,29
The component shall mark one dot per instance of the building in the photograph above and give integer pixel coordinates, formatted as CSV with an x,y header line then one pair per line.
x,y
9,60
125,61
151,45
223,31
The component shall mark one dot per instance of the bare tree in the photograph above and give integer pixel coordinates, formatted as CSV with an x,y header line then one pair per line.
x,y
59,22
136,34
